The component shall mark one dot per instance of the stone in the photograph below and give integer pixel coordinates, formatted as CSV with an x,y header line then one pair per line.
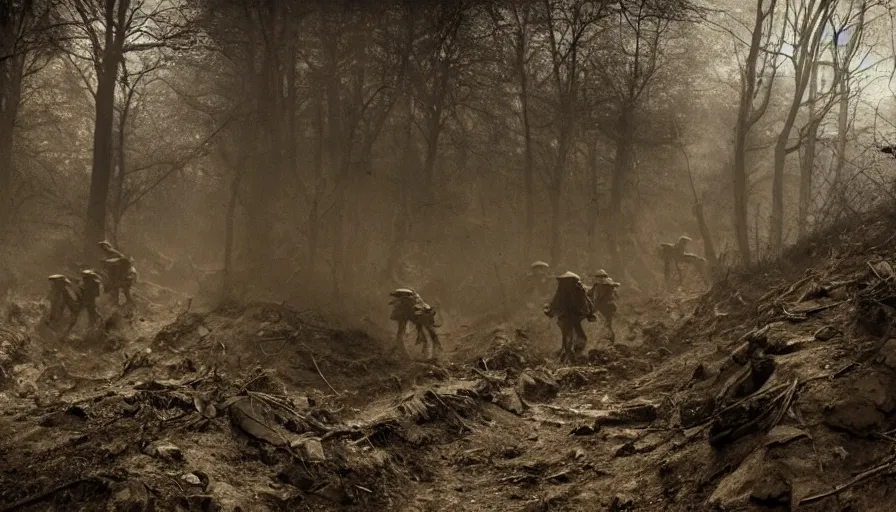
x,y
310,448
203,331
826,333
129,496
695,411
164,450
510,401
537,386
191,479
855,415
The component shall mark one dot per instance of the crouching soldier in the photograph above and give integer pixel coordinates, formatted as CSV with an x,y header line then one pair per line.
x,y
62,298
89,290
408,306
603,295
120,273
570,305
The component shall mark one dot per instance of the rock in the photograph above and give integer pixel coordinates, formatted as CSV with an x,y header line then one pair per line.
x,y
784,434
509,400
700,373
537,386
310,448
164,450
826,333
585,430
855,415
772,490
634,413
191,479
203,331
696,410
129,496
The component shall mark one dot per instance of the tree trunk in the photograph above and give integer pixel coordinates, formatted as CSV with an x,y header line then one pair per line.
x,y
229,222
102,153
10,95
318,158
528,164
593,210
808,164
101,174
622,166
842,132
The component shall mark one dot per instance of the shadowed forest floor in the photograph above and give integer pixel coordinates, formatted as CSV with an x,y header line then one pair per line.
x,y
770,391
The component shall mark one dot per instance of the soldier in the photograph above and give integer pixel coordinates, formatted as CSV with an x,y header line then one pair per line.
x,y
570,305
120,273
61,298
676,255
89,290
603,295
538,280
408,306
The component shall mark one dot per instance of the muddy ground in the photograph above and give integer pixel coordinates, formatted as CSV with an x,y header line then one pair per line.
x,y
773,390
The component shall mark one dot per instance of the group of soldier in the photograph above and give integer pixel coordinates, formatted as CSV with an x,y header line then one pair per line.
x,y
572,302
68,301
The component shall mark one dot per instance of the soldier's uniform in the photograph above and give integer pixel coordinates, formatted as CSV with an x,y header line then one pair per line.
x,y
61,298
538,281
120,272
570,305
672,255
603,295
408,306
88,291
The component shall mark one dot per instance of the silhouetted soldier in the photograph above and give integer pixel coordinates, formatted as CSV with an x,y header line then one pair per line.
x,y
603,295
408,306
538,281
120,273
675,255
570,305
61,298
88,291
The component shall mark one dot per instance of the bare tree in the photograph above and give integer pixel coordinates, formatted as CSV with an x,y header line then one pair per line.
x,y
757,75
105,32
806,22
570,27
26,29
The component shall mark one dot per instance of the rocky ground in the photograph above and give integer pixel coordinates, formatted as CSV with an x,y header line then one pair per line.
x,y
773,390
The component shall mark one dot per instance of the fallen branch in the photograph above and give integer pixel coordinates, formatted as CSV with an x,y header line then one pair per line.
x,y
322,375
888,464
96,479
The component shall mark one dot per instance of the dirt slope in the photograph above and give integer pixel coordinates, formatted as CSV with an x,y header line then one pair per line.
x,y
772,390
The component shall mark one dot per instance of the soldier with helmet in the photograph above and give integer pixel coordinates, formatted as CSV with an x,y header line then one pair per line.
x,y
538,283
675,255
570,305
120,273
603,295
89,290
408,306
62,297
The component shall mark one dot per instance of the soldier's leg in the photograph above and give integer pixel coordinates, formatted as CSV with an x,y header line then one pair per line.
x,y
566,332
581,339
434,336
93,316
608,316
402,328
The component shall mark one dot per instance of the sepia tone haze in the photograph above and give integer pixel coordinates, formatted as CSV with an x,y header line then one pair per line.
x,y
271,170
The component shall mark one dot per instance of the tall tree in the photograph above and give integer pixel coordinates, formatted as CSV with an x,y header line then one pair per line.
x,y
757,75
26,29
105,32
570,27
807,20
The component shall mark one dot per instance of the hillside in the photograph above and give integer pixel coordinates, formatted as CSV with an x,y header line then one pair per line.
x,y
774,390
